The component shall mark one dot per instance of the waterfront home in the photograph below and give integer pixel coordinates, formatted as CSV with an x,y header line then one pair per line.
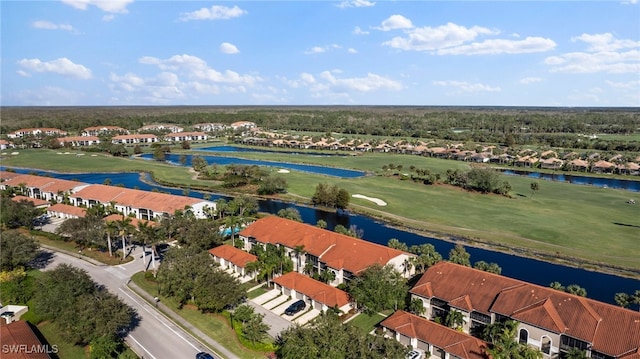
x,y
234,260
161,127
603,166
37,203
551,163
133,139
65,211
318,295
40,187
431,337
550,320
186,136
140,204
578,165
322,249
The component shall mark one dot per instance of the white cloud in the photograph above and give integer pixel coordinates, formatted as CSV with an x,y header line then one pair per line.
x,y
227,48
355,3
321,49
600,56
351,50
530,80
442,37
61,66
395,22
108,17
23,73
501,46
629,85
605,42
48,25
463,86
372,82
195,68
48,96
216,12
110,6
630,2
358,31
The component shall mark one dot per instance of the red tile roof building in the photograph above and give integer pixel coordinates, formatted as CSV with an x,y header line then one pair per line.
x,y
40,187
550,320
131,139
186,136
432,337
320,296
36,202
232,258
346,256
66,211
37,132
99,130
19,341
79,141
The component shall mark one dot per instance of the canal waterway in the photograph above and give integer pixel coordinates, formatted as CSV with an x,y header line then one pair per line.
x,y
599,286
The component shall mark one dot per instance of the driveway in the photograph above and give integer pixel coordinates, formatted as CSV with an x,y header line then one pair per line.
x,y
307,316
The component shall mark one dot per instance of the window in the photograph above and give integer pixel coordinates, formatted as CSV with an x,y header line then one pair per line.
x,y
546,345
524,336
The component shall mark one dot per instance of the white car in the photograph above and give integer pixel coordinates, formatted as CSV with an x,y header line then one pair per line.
x,y
414,354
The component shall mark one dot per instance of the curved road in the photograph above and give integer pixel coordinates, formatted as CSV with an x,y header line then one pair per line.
x,y
156,336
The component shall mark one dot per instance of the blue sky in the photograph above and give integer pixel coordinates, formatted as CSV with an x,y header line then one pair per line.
x,y
353,52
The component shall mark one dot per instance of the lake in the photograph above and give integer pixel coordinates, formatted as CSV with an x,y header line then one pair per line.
x,y
629,185
599,286
223,160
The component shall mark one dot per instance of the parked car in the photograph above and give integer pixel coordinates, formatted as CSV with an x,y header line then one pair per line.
x,y
203,355
414,354
295,307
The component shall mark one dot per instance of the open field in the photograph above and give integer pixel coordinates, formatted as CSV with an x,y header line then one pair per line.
x,y
595,224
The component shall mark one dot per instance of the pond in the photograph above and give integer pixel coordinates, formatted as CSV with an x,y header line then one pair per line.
x,y
222,160
629,185
232,149
599,286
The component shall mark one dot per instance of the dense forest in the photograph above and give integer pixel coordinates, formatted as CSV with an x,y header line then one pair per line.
x,y
556,127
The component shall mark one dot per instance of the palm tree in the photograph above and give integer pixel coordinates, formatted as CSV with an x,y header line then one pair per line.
x,y
454,319
110,227
124,229
299,252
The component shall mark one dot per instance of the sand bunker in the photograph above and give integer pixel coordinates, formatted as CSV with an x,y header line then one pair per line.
x,y
283,171
377,201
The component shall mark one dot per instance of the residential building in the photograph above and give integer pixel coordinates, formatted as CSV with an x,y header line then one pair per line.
x,y
318,295
433,338
4,144
102,130
37,203
40,187
20,341
161,127
550,320
323,249
243,125
66,211
210,127
37,132
139,204
233,259
79,141
133,139
186,136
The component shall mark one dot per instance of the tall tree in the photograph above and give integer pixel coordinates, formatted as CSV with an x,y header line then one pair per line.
x,y
124,229
378,288
535,187
17,250
460,256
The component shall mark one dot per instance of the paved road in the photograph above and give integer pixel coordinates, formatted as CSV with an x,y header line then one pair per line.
x,y
156,337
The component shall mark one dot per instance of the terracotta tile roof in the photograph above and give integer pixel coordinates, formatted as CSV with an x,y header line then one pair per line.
x,y
78,138
456,343
155,201
233,255
68,209
610,329
36,202
131,137
180,134
336,250
6,175
318,291
463,302
45,184
20,333
134,221
104,128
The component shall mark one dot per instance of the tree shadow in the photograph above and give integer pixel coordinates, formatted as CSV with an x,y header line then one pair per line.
x,y
42,260
626,225
133,323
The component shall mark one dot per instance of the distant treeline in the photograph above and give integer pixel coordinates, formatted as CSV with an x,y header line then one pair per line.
x,y
555,127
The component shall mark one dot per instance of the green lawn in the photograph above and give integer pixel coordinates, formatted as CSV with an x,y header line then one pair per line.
x,y
560,220
65,350
367,322
214,325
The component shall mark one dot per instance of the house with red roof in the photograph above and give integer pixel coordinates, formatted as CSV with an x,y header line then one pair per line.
x,y
161,127
79,141
186,136
66,211
40,187
4,144
38,203
234,259
323,249
20,341
550,320
140,204
318,295
432,338
37,132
